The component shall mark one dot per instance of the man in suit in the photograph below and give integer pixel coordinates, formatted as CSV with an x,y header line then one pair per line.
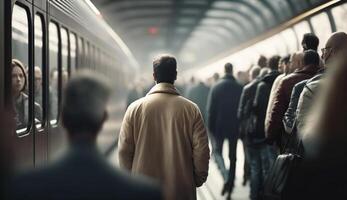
x,y
82,172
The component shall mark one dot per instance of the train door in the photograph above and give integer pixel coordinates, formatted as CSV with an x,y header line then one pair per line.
x,y
21,89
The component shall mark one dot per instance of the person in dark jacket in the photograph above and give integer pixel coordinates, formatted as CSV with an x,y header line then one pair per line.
x,y
260,159
82,172
198,94
223,123
243,113
275,129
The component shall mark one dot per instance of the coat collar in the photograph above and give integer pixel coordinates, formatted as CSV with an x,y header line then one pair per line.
x,y
163,88
228,76
308,69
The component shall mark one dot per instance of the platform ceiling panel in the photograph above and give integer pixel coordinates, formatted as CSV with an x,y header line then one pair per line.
x,y
198,28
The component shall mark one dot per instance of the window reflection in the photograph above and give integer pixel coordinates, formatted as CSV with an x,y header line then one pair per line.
x,y
38,89
65,50
73,53
20,51
53,67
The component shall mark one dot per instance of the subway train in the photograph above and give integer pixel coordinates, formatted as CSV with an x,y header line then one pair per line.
x,y
53,39
281,40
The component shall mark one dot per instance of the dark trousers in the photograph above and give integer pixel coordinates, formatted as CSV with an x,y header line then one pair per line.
x,y
260,162
217,152
232,158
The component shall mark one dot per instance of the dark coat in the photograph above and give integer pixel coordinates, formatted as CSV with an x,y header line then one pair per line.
x,y
260,103
198,94
222,104
290,115
81,174
275,128
245,105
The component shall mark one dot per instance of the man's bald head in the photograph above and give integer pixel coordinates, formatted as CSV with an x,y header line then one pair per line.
x,y
296,61
335,44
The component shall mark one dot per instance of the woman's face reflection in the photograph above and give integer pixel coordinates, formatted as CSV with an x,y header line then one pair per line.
x,y
17,80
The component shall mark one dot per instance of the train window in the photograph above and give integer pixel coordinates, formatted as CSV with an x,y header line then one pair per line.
x,y
65,50
288,36
38,87
322,28
300,29
73,49
20,54
340,15
54,72
92,63
87,63
80,52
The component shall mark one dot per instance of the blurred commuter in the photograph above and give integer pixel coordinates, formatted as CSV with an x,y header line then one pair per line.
x,y
242,77
336,44
163,136
21,100
310,42
260,154
290,115
223,123
198,94
322,174
243,113
189,86
284,66
82,172
262,62
275,129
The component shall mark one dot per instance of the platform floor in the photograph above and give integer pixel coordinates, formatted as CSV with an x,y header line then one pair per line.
x,y
211,190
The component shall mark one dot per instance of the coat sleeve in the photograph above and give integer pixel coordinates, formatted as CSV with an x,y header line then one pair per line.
x,y
304,104
275,126
259,98
126,143
242,104
201,151
211,110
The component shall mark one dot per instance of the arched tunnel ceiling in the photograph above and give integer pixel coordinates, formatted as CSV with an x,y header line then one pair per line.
x,y
199,28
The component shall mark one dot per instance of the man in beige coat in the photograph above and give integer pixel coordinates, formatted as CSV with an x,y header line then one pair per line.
x,y
163,136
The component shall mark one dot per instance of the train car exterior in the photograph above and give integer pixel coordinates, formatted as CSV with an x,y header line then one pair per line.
x,y
52,39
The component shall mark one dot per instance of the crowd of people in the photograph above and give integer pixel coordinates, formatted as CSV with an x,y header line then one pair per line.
x,y
290,102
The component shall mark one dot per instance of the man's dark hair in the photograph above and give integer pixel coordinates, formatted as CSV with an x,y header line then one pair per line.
x,y
228,68
311,57
311,41
165,69
285,59
273,62
262,61
84,103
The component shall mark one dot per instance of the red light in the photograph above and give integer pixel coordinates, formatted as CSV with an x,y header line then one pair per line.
x,y
153,30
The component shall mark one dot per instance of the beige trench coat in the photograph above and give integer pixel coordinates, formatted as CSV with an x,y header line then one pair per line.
x,y
163,136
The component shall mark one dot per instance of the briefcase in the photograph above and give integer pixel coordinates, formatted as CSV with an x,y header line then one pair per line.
x,y
278,177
